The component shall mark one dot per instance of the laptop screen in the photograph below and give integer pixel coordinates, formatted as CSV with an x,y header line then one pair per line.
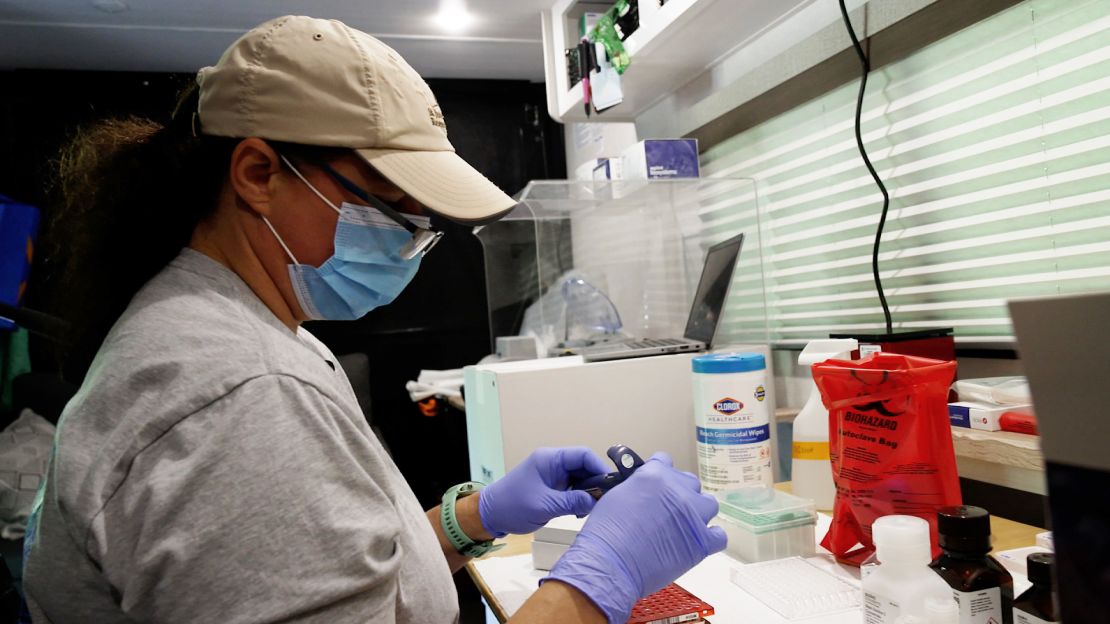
x,y
709,299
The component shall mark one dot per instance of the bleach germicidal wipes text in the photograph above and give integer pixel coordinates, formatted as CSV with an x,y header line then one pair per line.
x,y
731,421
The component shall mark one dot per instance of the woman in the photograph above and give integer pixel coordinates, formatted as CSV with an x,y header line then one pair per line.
x,y
215,466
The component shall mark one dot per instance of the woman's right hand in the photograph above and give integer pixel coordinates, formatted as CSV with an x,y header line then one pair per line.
x,y
641,536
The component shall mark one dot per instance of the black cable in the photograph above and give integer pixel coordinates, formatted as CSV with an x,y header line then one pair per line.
x,y
866,64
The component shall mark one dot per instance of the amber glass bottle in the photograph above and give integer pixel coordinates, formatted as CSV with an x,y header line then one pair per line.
x,y
1037,605
983,589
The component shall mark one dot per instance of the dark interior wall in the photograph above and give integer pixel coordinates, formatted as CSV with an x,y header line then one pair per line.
x,y
439,322
39,108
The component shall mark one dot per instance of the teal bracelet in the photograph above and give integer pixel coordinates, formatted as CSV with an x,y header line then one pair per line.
x,y
450,523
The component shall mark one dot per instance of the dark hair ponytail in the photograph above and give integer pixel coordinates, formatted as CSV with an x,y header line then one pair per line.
x,y
130,193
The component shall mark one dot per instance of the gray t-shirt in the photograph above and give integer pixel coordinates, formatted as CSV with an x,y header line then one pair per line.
x,y
215,467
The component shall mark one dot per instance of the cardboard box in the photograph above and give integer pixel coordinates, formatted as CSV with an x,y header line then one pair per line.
x,y
661,159
982,416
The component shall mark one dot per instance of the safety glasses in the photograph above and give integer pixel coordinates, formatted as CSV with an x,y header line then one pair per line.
x,y
423,238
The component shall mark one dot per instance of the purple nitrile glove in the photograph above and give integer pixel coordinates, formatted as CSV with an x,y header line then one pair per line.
x,y
641,536
536,490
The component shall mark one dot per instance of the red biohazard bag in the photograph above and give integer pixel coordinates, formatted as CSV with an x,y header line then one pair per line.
x,y
890,442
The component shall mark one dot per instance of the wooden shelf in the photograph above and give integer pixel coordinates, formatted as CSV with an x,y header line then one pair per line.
x,y
1012,460
1000,447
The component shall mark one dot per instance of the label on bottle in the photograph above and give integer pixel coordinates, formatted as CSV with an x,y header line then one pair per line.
x,y
980,607
811,450
867,349
1023,617
878,609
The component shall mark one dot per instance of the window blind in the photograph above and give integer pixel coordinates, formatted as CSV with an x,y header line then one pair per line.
x,y
995,145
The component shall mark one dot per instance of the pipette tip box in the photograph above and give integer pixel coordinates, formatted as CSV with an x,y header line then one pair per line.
x,y
763,523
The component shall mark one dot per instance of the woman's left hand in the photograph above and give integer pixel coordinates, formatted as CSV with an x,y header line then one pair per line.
x,y
536,491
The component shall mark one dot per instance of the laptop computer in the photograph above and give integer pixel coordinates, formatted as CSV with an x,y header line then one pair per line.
x,y
1064,346
705,312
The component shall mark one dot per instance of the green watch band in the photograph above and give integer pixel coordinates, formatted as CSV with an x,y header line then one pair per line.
x,y
459,540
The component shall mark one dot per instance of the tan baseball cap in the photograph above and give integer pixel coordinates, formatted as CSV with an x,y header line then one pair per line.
x,y
319,82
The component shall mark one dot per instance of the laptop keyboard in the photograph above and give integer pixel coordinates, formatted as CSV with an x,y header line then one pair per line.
x,y
655,342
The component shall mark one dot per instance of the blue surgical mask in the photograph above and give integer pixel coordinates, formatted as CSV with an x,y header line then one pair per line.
x,y
365,272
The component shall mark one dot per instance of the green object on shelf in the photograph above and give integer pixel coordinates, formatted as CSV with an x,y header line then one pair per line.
x,y
605,32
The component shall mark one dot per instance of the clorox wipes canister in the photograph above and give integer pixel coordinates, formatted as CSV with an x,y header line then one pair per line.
x,y
731,421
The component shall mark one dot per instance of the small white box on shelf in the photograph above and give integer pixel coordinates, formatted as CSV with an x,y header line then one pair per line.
x,y
607,169
982,416
585,171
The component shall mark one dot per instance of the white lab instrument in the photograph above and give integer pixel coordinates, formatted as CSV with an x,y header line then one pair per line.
x,y
514,408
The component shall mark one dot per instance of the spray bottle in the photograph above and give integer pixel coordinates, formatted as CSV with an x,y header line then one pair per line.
x,y
811,471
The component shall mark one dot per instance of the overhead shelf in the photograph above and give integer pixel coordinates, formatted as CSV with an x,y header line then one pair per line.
x,y
673,44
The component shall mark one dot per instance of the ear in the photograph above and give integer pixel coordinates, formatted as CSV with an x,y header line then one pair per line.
x,y
253,171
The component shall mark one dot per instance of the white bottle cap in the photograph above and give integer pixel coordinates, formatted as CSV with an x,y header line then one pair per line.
x,y
827,348
901,540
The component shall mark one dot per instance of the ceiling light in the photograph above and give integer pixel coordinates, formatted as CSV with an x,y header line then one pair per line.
x,y
110,6
453,16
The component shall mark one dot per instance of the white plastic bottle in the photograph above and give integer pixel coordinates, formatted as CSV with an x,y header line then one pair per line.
x,y
811,471
732,421
941,610
902,587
